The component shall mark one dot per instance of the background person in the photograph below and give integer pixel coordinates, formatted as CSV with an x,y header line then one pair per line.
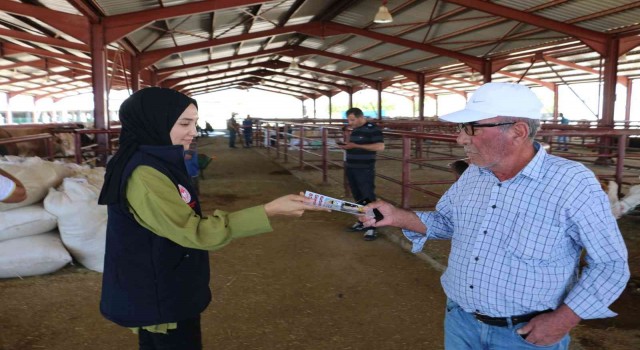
x,y
562,140
247,130
11,189
232,128
156,270
360,165
518,219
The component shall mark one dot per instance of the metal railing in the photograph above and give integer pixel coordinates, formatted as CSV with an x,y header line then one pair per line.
x,y
417,145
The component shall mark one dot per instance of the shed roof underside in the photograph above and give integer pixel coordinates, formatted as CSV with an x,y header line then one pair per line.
x,y
206,46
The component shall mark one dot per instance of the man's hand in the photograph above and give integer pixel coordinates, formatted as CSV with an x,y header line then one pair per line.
x,y
550,328
392,217
347,145
384,208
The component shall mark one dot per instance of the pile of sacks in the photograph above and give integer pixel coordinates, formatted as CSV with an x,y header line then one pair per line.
x,y
60,218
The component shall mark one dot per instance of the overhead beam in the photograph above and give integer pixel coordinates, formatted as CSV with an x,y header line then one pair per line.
x,y
287,92
303,51
596,40
61,43
331,28
170,83
7,49
548,85
118,26
206,82
370,82
621,79
315,81
151,57
164,73
86,10
74,25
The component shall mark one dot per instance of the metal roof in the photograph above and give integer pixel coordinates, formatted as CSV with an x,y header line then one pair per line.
x,y
203,46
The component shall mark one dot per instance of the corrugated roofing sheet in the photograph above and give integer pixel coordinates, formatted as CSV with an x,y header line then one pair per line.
x,y
438,23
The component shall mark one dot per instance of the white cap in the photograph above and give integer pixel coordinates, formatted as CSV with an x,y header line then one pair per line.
x,y
498,99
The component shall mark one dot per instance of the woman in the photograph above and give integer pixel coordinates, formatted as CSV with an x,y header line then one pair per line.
x,y
156,269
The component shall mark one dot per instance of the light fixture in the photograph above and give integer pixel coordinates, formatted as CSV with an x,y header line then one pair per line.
x,y
383,15
473,76
294,64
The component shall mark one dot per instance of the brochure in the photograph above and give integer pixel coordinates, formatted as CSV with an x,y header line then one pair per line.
x,y
321,200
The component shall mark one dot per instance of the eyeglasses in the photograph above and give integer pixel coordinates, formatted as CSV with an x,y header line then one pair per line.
x,y
470,128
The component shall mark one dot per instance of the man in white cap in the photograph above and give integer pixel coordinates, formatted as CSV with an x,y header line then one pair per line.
x,y
518,219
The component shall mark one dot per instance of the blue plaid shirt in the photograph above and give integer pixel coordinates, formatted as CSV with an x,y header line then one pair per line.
x,y
515,245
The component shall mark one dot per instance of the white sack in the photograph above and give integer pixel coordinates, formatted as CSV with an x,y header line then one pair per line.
x,y
25,221
32,255
36,175
95,176
81,221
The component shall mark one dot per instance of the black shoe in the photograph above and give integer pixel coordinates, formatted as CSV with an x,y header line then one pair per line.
x,y
357,227
370,234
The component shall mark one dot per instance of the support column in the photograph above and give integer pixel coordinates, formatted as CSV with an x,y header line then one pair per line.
x,y
9,119
608,97
154,78
413,105
99,82
315,114
135,73
610,81
555,103
486,71
350,97
627,107
379,88
421,96
329,107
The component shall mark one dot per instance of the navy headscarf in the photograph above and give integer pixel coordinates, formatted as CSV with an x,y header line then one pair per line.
x,y
147,118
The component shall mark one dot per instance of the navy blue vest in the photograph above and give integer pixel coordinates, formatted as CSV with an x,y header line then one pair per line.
x,y
149,279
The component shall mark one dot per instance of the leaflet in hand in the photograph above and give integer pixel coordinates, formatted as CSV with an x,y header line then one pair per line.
x,y
321,200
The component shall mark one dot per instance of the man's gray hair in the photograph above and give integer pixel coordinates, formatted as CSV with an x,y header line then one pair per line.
x,y
534,124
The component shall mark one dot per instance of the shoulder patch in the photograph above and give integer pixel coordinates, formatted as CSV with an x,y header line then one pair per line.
x,y
186,196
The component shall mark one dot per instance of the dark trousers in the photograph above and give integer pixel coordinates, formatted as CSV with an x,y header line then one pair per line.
x,y
248,139
232,138
186,337
362,183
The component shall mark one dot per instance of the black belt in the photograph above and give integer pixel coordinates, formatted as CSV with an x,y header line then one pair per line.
x,y
504,321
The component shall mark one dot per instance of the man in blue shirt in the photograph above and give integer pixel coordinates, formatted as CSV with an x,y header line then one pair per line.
x,y
562,140
518,219
360,162
247,130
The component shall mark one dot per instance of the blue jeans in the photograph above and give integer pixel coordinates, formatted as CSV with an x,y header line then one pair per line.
x,y
462,331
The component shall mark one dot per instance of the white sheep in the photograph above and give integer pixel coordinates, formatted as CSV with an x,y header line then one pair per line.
x,y
627,204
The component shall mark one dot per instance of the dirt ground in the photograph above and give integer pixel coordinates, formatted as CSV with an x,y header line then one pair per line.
x,y
307,285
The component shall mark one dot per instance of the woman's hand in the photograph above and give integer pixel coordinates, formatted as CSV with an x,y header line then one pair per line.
x,y
291,205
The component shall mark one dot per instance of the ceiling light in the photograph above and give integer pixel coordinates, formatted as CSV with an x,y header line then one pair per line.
x,y
383,15
294,64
